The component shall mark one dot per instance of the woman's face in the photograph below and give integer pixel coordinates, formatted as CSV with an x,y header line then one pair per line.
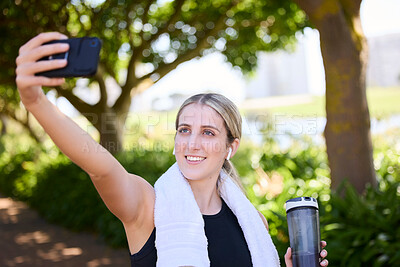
x,y
200,142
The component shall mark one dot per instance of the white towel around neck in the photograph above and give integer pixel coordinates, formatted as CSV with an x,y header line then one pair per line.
x,y
180,235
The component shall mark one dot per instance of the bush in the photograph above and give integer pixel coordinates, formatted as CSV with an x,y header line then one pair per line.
x,y
18,160
63,193
15,179
276,176
360,230
363,230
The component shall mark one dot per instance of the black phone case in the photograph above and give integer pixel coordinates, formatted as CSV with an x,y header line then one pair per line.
x,y
82,57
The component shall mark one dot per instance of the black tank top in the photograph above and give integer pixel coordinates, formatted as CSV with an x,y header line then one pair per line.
x,y
226,243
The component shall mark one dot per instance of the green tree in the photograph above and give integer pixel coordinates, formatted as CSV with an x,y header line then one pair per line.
x,y
9,109
345,55
145,40
133,31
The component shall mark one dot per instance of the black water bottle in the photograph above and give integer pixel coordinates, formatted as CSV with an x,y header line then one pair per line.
x,y
303,223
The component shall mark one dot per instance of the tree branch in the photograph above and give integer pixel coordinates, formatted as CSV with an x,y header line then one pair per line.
x,y
78,103
25,124
164,69
130,80
146,13
108,69
99,77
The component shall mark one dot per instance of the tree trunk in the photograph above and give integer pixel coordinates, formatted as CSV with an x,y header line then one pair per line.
x,y
110,125
345,56
111,135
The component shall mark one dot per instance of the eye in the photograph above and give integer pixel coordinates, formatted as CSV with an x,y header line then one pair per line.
x,y
208,132
183,130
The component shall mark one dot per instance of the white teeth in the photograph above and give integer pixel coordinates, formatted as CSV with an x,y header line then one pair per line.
x,y
194,158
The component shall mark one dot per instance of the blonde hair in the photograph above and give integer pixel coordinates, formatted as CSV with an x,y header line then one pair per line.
x,y
232,121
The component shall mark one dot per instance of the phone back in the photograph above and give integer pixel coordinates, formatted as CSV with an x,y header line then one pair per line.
x,y
82,57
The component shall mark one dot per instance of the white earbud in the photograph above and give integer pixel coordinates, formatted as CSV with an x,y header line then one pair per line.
x,y
229,154
173,151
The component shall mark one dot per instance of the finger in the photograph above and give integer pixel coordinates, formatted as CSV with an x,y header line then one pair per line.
x,y
324,263
29,81
40,66
39,52
288,257
40,39
323,244
324,253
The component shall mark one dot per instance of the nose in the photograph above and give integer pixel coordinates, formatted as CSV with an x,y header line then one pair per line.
x,y
194,142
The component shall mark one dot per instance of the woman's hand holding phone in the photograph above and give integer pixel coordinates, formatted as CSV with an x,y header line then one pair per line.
x,y
72,140
28,64
49,57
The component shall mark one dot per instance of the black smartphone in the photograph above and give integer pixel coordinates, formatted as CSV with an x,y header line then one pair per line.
x,y
82,57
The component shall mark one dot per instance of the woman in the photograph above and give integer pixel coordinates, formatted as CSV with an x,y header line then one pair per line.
x,y
208,134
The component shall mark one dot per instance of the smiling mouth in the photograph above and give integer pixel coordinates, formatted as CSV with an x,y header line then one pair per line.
x,y
195,159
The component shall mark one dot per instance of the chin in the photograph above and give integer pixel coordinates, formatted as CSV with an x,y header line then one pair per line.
x,y
196,172
192,175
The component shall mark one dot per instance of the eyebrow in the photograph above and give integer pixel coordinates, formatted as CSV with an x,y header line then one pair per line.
x,y
203,126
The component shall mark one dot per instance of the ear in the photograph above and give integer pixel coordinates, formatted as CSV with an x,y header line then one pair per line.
x,y
234,146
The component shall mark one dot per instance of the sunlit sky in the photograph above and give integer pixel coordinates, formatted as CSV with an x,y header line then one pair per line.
x,y
212,73
380,17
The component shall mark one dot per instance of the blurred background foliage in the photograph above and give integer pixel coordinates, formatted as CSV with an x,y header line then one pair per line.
x,y
361,230
142,42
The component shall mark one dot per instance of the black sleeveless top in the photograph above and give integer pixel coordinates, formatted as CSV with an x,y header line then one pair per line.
x,y
226,243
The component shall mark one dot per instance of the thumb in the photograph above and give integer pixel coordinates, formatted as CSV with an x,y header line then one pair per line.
x,y
288,258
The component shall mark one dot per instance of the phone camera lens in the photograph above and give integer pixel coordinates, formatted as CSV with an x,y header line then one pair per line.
x,y
93,43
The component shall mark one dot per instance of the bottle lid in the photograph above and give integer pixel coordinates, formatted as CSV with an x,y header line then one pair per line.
x,y
301,202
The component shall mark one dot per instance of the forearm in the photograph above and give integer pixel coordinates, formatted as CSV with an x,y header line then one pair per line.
x,y
122,192
72,140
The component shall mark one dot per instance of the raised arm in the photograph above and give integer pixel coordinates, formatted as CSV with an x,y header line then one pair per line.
x,y
126,195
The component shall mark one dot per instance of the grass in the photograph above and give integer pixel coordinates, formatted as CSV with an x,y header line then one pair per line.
x,y
316,107
382,102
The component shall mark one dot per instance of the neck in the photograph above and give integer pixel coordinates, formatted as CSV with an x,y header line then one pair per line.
x,y
206,195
